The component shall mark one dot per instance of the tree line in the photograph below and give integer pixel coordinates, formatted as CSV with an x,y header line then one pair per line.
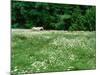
x,y
53,16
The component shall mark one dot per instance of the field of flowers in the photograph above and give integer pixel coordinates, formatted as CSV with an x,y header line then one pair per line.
x,y
49,51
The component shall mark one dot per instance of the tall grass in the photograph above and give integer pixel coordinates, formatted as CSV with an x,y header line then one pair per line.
x,y
48,51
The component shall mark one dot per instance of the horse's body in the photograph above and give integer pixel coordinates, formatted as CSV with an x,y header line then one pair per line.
x,y
37,28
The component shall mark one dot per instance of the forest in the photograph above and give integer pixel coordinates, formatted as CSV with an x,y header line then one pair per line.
x,y
52,16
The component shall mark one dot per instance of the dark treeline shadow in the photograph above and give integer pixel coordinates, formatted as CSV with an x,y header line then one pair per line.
x,y
52,16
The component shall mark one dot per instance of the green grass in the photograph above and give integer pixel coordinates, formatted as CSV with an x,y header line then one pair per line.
x,y
48,51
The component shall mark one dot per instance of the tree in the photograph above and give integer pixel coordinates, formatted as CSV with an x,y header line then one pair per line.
x,y
52,16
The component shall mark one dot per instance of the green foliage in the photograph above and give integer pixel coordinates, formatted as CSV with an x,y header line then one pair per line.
x,y
52,16
90,19
15,25
48,51
59,26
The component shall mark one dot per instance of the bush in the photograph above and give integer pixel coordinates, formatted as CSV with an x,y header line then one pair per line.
x,y
59,26
15,25
29,24
52,16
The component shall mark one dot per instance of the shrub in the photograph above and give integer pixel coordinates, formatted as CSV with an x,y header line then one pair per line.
x,y
52,16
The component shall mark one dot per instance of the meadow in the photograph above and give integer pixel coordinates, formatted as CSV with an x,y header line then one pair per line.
x,y
49,51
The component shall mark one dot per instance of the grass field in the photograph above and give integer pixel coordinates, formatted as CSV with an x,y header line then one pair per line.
x,y
48,51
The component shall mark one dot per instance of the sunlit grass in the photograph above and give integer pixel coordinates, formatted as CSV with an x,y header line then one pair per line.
x,y
47,51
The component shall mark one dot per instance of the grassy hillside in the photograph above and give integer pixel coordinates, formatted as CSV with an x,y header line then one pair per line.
x,y
47,51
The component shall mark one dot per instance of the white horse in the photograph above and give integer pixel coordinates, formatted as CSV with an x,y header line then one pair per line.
x,y
37,28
